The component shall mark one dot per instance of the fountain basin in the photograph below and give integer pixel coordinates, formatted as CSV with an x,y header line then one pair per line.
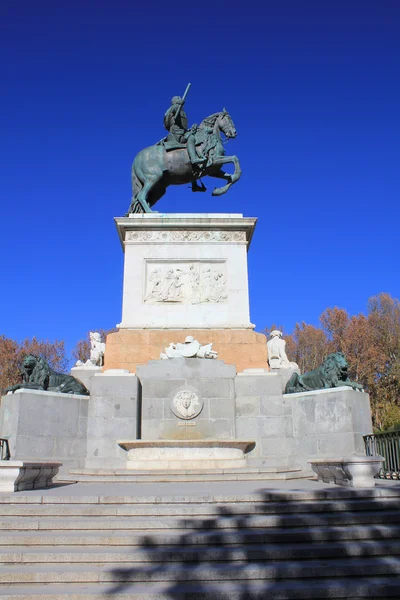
x,y
186,454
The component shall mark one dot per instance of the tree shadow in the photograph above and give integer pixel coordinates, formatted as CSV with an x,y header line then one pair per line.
x,y
280,546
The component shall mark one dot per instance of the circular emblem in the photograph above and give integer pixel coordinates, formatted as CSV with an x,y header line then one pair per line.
x,y
186,405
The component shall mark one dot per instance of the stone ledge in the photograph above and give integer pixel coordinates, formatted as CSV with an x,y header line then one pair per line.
x,y
243,445
341,388
20,475
351,471
48,393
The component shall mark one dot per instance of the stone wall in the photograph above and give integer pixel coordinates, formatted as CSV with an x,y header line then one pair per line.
x,y
211,383
185,399
262,414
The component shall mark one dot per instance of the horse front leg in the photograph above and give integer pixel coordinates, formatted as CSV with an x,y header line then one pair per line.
x,y
223,160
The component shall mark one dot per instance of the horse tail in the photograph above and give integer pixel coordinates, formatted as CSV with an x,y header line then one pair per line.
x,y
137,186
292,385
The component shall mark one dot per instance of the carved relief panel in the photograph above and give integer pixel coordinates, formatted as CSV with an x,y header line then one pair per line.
x,y
192,282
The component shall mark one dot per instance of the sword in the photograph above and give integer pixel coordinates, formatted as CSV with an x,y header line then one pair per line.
x,y
183,101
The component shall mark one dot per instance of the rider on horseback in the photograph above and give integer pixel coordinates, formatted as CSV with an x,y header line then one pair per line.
x,y
176,123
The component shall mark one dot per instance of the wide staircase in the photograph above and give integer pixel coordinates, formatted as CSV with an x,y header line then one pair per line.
x,y
323,543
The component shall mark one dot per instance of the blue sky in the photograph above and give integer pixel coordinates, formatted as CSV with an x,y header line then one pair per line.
x,y
314,90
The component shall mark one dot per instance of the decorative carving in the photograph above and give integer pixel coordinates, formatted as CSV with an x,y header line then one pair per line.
x,y
191,348
186,405
194,282
185,236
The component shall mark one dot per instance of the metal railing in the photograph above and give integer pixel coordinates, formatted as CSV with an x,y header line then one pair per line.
x,y
387,445
4,449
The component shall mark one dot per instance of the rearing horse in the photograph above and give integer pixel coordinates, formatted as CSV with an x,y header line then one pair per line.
x,y
154,169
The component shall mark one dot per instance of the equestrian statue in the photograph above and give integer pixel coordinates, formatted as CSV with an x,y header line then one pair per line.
x,y
183,156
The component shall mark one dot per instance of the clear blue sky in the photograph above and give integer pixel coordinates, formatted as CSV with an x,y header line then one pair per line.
x,y
314,90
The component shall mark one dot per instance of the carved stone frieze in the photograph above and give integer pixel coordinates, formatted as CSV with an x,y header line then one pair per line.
x,y
185,236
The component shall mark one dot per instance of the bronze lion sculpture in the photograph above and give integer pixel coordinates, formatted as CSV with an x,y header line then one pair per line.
x,y
38,375
332,373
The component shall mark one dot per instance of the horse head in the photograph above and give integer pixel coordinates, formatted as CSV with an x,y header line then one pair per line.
x,y
220,121
226,124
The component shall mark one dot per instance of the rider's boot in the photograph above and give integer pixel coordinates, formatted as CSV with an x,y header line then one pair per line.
x,y
198,188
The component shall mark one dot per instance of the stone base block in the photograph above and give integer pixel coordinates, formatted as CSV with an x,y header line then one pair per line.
x,y
353,471
188,454
85,374
128,348
17,475
45,426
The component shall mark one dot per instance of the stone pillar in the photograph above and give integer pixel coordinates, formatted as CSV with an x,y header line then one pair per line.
x,y
112,416
264,414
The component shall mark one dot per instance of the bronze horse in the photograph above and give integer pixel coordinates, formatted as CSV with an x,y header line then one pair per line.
x,y
155,168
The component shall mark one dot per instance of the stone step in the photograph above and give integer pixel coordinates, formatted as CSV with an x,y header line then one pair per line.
x,y
198,522
216,571
132,538
152,553
331,493
379,587
209,471
166,477
197,509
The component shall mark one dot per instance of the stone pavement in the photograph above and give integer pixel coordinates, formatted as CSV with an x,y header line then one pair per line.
x,y
192,489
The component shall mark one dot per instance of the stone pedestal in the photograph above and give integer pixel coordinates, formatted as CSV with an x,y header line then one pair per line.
x,y
17,475
350,471
45,426
329,422
185,274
